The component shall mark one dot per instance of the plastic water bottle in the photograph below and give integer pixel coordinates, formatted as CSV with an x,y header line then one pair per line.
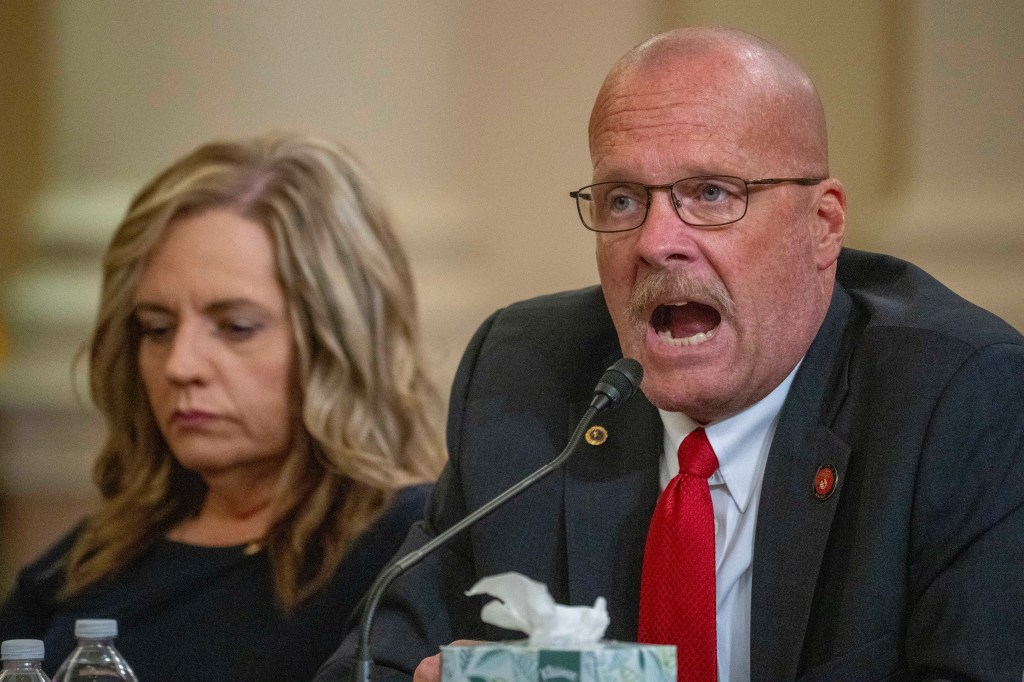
x,y
95,659
22,660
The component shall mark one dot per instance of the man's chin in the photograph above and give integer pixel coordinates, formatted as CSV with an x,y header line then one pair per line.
x,y
684,390
676,375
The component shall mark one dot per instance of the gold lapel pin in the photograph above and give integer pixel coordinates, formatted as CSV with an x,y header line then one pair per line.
x,y
596,435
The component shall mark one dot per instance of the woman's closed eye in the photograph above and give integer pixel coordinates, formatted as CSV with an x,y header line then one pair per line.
x,y
238,330
155,330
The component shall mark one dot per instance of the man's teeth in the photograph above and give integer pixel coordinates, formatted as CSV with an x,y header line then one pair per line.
x,y
699,337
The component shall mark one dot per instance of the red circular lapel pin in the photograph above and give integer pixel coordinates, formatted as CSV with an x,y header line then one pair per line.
x,y
825,481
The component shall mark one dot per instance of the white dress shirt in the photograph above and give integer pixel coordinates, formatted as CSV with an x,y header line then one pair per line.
x,y
741,444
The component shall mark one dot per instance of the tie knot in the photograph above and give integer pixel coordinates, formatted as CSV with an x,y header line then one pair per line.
x,y
696,456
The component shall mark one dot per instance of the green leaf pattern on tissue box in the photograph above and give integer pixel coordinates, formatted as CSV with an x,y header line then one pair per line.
x,y
516,662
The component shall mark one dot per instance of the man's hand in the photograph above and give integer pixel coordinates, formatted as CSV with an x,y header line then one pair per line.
x,y
429,669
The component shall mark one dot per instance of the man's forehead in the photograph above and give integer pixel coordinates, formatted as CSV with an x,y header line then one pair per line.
x,y
669,158
645,98
676,134
727,123
646,114
697,78
712,87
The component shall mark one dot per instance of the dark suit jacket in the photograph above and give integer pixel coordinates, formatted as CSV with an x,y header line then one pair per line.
x,y
912,569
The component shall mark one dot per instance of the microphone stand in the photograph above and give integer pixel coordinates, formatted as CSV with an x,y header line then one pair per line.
x,y
361,669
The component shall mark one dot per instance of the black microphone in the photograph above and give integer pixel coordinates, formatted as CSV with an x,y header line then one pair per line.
x,y
617,385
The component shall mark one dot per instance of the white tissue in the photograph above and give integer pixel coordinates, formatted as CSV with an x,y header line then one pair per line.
x,y
526,605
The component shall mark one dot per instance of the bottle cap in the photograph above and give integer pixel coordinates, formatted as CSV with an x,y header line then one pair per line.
x,y
22,650
95,628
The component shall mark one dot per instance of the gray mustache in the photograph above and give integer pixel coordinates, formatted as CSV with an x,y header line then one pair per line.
x,y
663,284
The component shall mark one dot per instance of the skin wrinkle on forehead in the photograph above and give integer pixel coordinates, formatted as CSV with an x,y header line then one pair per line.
x,y
656,115
700,132
700,136
624,101
624,127
766,127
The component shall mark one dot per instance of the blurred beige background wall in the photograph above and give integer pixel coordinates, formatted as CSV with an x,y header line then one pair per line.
x,y
472,115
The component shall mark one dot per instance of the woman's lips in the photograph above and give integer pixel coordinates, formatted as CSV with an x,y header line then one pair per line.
x,y
192,419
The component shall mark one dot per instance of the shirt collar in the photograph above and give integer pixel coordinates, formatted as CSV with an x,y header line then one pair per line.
x,y
741,442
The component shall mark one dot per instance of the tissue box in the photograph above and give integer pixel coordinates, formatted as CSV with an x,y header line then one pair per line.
x,y
517,662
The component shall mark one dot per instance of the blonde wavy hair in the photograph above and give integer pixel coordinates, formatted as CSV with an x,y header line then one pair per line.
x,y
370,417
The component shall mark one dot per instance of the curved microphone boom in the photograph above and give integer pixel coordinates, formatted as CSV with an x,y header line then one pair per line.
x,y
617,385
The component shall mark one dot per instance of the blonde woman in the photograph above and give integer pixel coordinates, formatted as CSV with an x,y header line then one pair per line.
x,y
270,423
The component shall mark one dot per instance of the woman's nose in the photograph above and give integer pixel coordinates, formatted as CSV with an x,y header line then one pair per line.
x,y
187,359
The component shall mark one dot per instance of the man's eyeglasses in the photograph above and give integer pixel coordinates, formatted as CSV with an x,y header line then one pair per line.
x,y
702,201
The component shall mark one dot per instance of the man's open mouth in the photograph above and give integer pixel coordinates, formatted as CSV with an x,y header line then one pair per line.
x,y
685,324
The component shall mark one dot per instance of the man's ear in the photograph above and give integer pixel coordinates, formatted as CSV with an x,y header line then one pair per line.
x,y
829,223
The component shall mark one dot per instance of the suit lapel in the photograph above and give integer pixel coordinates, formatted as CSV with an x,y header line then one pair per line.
x,y
793,524
792,531
610,493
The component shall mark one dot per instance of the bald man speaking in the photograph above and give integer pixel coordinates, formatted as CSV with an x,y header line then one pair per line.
x,y
824,476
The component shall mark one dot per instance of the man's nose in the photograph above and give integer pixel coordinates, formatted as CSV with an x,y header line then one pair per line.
x,y
664,237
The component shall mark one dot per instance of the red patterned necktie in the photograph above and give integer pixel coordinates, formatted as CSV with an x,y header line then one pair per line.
x,y
677,588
